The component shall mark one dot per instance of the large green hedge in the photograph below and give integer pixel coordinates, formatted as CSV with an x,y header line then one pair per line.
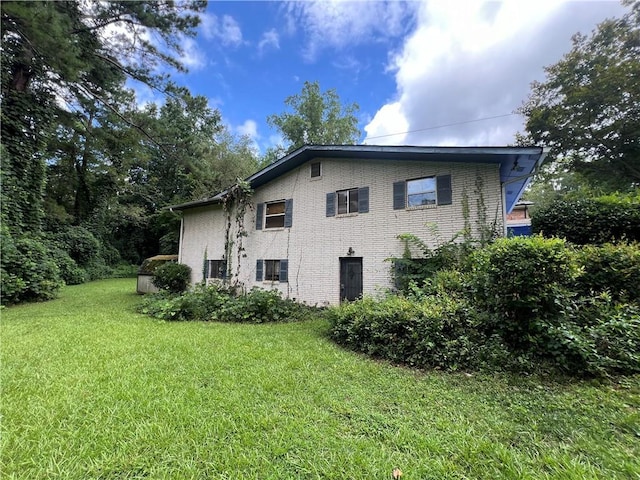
x,y
590,220
522,304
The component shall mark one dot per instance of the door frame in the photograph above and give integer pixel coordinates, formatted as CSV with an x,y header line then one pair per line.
x,y
343,288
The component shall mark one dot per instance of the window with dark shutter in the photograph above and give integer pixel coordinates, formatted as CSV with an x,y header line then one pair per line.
x,y
205,269
422,192
284,274
259,265
444,190
331,204
399,195
353,200
259,215
363,200
288,213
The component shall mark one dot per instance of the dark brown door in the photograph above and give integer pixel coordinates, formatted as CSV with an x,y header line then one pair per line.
x,y
350,278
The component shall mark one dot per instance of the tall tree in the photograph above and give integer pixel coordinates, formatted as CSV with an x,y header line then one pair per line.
x,y
76,54
588,108
63,66
317,118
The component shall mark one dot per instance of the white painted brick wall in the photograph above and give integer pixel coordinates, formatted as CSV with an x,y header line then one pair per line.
x,y
315,243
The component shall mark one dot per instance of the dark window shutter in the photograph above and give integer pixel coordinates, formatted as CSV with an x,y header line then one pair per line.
x,y
259,264
288,213
224,270
363,200
259,215
398,270
331,204
206,269
443,187
284,270
399,195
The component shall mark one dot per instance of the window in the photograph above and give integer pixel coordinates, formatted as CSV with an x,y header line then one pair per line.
x,y
216,269
348,201
274,214
315,170
274,217
354,200
421,191
272,270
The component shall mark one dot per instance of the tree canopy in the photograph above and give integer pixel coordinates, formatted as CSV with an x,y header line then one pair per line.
x,y
317,118
87,173
587,110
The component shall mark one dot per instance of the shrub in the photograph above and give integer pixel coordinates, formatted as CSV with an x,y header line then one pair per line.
x,y
600,337
173,277
449,255
70,272
610,268
221,303
259,306
590,220
79,243
523,283
616,341
433,331
28,272
518,307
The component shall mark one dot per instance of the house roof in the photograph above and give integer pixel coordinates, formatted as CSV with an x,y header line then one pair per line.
x,y
516,164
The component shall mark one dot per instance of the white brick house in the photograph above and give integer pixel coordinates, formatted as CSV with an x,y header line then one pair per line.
x,y
322,222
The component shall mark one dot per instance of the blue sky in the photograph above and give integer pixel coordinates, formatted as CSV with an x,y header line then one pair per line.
x,y
410,66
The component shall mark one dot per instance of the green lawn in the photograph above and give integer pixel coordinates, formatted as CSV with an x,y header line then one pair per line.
x,y
91,389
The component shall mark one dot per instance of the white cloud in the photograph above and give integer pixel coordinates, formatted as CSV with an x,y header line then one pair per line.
x,y
192,57
337,23
225,30
389,125
249,128
469,61
270,39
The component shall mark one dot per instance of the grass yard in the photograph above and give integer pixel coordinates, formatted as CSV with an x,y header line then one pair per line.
x,y
93,390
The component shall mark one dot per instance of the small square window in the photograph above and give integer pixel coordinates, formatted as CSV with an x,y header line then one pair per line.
x,y
316,171
421,191
347,201
272,270
274,217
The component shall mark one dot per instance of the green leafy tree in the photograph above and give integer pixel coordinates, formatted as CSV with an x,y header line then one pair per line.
x,y
63,66
317,118
587,109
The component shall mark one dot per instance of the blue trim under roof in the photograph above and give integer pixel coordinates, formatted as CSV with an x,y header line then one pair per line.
x,y
516,164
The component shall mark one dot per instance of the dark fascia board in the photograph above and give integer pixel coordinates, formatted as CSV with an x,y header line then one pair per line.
x,y
496,155
215,200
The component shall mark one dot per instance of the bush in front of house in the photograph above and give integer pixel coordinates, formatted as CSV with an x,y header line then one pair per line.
x,y
521,306
610,268
585,221
426,332
523,285
172,277
223,304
